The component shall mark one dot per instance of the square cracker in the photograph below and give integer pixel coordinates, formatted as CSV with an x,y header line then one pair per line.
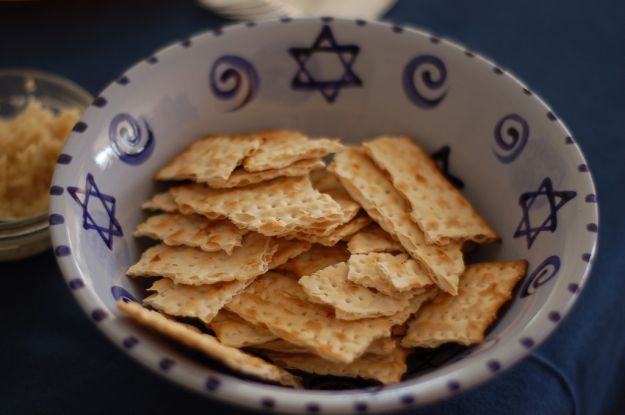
x,y
283,147
213,158
464,318
209,345
279,303
195,301
373,239
273,208
440,210
194,231
316,258
387,369
192,266
368,185
161,201
233,331
241,177
350,301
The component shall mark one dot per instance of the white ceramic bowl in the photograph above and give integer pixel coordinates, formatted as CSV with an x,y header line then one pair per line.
x,y
517,162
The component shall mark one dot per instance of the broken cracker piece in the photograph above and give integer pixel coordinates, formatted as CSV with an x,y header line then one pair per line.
x,y
240,177
464,318
403,272
288,249
209,345
440,210
194,231
350,301
368,185
161,201
381,346
192,266
338,234
387,273
233,331
326,182
280,346
196,301
387,369
373,239
283,147
273,208
279,303
211,158
316,258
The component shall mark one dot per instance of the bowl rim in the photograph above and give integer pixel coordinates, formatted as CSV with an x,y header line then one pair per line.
x,y
254,395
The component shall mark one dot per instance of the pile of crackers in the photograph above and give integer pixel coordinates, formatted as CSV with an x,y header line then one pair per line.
x,y
290,265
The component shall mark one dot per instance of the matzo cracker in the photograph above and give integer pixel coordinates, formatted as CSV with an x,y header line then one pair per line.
x,y
192,266
283,147
287,250
350,301
326,182
464,318
316,258
194,231
213,158
233,331
440,210
369,186
241,177
161,201
281,307
273,208
387,369
381,346
340,233
373,239
207,344
198,301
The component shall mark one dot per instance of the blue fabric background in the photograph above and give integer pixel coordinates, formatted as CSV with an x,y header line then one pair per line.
x,y
53,360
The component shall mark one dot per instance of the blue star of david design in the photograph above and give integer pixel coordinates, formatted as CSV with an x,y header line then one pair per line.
x,y
91,194
555,199
325,42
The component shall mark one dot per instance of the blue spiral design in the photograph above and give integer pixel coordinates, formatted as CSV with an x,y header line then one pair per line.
x,y
120,293
543,273
511,134
235,80
132,140
432,74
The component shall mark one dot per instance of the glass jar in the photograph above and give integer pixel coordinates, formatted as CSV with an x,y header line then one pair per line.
x,y
24,237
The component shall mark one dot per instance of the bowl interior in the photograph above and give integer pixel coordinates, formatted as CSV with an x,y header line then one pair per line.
x,y
514,160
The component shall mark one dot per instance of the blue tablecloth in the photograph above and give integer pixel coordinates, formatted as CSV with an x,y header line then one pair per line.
x,y
53,360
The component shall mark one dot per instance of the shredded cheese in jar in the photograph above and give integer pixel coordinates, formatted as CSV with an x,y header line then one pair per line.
x,y
30,144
